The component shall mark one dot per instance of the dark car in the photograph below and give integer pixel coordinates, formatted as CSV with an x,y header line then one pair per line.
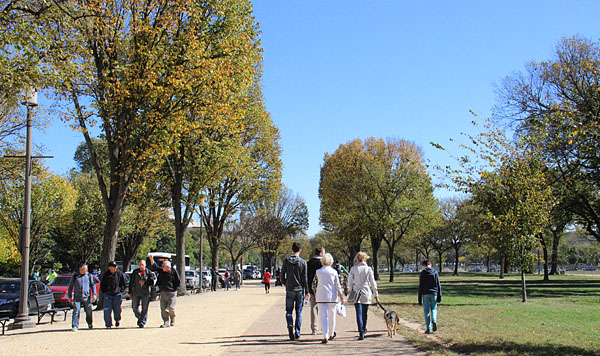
x,y
10,294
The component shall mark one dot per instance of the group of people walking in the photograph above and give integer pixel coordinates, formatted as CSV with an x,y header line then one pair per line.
x,y
317,284
82,293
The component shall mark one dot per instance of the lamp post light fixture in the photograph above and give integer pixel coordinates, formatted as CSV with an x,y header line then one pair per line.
x,y
23,320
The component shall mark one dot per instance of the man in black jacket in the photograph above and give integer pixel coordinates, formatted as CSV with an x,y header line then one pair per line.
x,y
168,282
140,283
430,293
112,285
293,276
312,266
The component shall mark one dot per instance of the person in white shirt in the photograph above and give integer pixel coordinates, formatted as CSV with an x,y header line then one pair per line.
x,y
328,290
362,280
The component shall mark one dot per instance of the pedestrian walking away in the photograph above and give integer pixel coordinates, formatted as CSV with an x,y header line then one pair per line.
x,y
312,266
237,278
140,284
267,281
81,293
168,282
361,280
430,293
328,292
293,276
112,286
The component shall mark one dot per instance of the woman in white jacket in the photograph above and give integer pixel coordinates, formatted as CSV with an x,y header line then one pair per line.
x,y
327,291
362,280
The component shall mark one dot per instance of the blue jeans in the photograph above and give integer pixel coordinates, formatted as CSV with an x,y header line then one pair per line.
x,y
112,303
361,317
135,304
294,300
430,309
87,306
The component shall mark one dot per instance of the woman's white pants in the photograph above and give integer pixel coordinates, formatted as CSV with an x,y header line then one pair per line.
x,y
327,316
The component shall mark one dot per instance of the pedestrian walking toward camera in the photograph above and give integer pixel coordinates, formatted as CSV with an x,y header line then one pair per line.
x,y
430,293
81,293
312,266
361,282
168,282
140,283
267,281
112,286
237,278
293,276
328,291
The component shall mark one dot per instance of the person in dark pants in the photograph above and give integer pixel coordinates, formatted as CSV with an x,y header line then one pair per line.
x,y
430,293
140,283
81,293
112,285
293,276
168,281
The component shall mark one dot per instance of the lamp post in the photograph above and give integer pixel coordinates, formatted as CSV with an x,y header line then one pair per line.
x,y
23,320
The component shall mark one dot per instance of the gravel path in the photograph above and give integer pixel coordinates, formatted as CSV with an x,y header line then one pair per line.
x,y
218,323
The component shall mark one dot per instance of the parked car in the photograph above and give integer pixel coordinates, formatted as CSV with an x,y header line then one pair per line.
x,y
192,279
10,294
60,287
256,274
247,273
206,279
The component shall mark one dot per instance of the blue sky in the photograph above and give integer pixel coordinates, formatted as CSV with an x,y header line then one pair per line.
x,y
338,70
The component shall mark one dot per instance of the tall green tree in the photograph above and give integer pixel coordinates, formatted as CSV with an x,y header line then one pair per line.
x,y
555,105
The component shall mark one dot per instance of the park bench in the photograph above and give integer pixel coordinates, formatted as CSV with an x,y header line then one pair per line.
x,y
3,321
48,299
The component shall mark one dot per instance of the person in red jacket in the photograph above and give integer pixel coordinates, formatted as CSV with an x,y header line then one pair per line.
x,y
267,280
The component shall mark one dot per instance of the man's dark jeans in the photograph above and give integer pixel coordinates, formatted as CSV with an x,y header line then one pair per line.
x,y
361,317
135,304
294,300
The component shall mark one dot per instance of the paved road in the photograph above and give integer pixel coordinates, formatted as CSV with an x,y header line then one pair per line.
x,y
218,323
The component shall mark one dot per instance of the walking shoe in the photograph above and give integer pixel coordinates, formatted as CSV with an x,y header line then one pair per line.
x,y
291,333
165,324
117,323
141,326
314,332
434,326
324,341
172,322
90,326
108,327
333,336
297,336
74,329
427,331
361,337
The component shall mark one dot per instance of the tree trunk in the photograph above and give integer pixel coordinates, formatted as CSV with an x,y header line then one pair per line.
x,y
375,245
456,262
502,265
545,249
556,235
180,252
109,245
391,264
440,257
417,260
523,286
489,258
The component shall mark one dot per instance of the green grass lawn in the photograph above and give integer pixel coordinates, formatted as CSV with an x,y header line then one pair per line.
x,y
481,314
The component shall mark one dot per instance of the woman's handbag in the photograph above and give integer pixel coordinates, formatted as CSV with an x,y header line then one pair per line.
x,y
353,297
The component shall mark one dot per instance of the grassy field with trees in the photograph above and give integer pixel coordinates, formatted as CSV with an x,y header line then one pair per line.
x,y
483,315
